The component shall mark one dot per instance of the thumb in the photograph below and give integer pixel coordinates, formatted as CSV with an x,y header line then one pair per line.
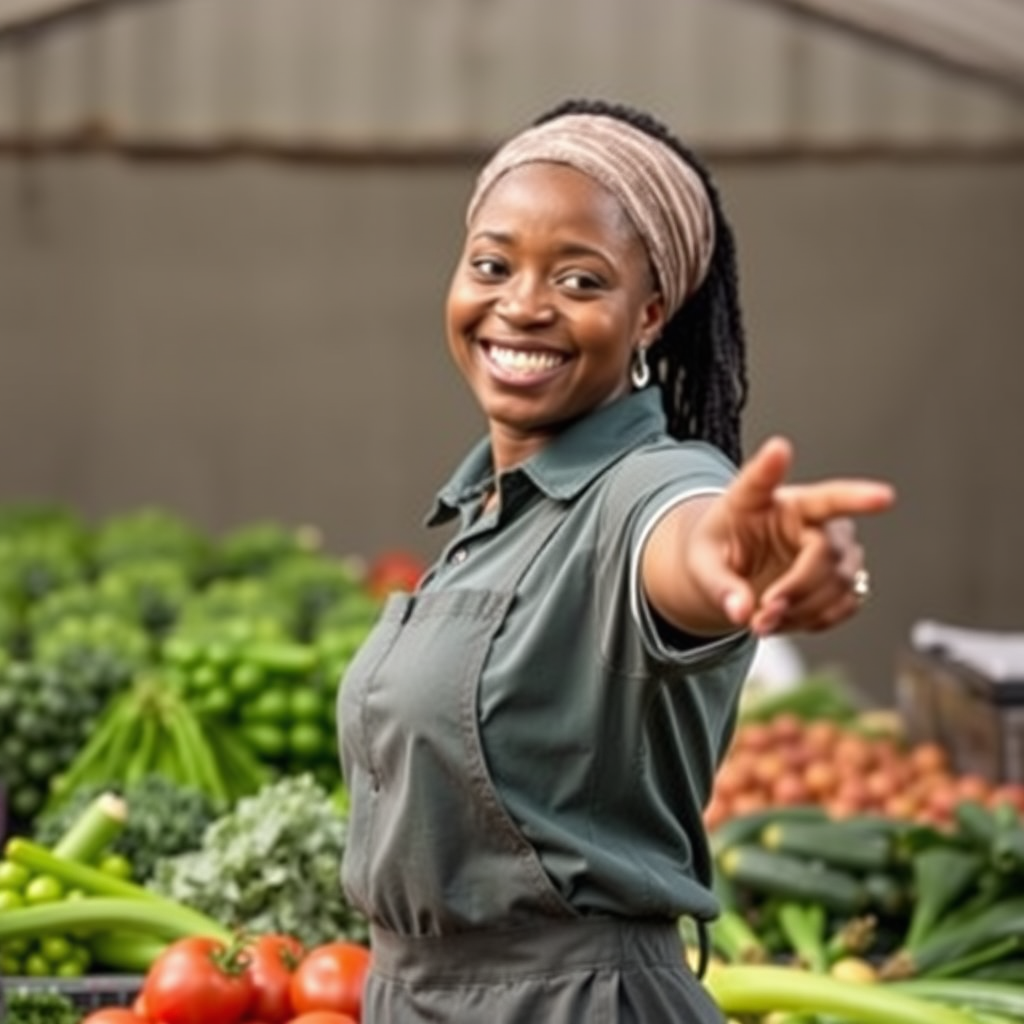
x,y
725,589
760,476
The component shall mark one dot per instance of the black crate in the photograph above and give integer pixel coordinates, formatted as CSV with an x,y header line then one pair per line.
x,y
968,696
90,992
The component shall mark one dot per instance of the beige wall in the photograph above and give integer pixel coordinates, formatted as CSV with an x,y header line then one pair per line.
x,y
241,340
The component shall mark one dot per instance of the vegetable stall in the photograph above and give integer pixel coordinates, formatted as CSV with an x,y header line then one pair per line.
x,y
175,818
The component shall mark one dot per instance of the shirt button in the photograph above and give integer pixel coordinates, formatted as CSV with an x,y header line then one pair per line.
x,y
458,556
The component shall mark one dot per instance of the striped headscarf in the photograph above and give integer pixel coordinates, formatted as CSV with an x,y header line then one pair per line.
x,y
663,196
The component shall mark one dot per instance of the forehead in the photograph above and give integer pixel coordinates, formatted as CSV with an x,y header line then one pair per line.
x,y
556,195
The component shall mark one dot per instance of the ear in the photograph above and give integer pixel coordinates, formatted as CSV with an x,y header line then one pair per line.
x,y
652,319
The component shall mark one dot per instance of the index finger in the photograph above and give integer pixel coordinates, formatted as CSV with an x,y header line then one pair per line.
x,y
827,499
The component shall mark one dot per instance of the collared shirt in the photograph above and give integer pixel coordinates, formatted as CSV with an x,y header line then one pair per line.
x,y
601,727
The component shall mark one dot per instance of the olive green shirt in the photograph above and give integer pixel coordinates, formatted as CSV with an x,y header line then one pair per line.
x,y
601,727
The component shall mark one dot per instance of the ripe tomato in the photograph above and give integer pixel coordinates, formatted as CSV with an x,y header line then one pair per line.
x,y
331,977
113,1015
272,959
323,1017
393,570
198,981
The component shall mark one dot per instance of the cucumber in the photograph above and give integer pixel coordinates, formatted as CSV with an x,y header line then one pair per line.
x,y
795,878
835,844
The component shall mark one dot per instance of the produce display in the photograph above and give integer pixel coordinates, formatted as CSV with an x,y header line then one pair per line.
x,y
177,818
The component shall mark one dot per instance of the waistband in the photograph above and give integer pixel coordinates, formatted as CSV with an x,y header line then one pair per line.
x,y
518,952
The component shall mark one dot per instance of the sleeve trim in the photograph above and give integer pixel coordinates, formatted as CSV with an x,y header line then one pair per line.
x,y
641,612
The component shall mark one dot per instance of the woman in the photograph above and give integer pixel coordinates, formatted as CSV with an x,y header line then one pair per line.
x,y
530,738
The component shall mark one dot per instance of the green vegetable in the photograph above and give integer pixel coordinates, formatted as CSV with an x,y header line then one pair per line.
x,y
941,876
803,925
102,913
1007,851
29,1007
270,865
91,832
759,990
830,842
795,878
745,828
996,922
126,951
164,818
999,997
71,874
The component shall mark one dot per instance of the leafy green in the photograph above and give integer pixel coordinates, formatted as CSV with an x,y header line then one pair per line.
x,y
164,819
271,864
25,1007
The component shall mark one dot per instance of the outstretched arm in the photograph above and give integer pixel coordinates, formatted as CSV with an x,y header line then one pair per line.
x,y
764,555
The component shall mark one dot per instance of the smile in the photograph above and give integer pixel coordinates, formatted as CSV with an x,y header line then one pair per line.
x,y
522,364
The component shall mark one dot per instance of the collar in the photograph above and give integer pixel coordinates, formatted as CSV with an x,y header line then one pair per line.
x,y
569,463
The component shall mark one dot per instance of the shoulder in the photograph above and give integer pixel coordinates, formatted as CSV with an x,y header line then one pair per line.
x,y
665,470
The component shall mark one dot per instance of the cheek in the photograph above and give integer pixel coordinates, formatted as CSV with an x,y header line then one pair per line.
x,y
460,307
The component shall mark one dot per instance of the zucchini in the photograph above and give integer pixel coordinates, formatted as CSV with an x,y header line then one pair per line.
x,y
745,828
830,842
794,878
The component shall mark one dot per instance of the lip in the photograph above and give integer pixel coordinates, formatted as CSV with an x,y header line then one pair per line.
x,y
520,378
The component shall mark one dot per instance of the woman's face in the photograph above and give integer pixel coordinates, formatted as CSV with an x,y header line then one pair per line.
x,y
552,292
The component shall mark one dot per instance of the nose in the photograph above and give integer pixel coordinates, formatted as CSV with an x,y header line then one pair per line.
x,y
525,300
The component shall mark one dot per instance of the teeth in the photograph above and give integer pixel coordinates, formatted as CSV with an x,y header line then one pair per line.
x,y
517,359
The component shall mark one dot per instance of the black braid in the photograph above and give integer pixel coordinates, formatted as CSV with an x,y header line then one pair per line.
x,y
700,358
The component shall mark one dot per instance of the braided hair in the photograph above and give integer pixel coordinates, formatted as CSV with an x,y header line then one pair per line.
x,y
700,358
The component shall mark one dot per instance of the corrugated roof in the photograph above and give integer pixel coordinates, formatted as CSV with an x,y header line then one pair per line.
x,y
441,75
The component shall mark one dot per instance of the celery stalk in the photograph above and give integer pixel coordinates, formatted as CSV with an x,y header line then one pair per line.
x,y
162,919
39,859
766,989
94,830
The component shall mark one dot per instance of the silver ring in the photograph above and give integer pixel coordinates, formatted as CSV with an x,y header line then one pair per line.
x,y
861,585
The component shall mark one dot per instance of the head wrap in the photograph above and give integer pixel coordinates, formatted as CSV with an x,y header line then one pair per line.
x,y
663,196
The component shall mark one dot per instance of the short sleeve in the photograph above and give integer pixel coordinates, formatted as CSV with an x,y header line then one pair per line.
x,y
641,490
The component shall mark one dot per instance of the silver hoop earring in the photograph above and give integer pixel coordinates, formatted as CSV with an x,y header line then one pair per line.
x,y
639,368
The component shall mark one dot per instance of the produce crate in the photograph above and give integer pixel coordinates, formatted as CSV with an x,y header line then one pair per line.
x,y
87,993
964,689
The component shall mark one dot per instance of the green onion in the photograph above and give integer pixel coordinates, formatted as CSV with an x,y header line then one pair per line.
x,y
765,989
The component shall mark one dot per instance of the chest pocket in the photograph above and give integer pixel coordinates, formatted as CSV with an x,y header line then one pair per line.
x,y
431,848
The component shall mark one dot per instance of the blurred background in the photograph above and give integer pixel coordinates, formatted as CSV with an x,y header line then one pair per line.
x,y
226,230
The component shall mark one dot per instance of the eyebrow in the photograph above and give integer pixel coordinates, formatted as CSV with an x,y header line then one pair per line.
x,y
569,249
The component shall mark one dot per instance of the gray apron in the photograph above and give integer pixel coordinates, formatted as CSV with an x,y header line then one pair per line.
x,y
467,927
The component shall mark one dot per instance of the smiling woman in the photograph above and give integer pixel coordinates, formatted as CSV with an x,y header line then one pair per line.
x,y
531,735
552,292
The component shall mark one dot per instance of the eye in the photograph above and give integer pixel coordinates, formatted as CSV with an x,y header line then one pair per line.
x,y
581,281
489,267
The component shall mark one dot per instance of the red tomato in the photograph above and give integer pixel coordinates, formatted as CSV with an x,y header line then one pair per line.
x,y
393,570
139,1007
331,977
323,1017
113,1015
198,981
272,959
